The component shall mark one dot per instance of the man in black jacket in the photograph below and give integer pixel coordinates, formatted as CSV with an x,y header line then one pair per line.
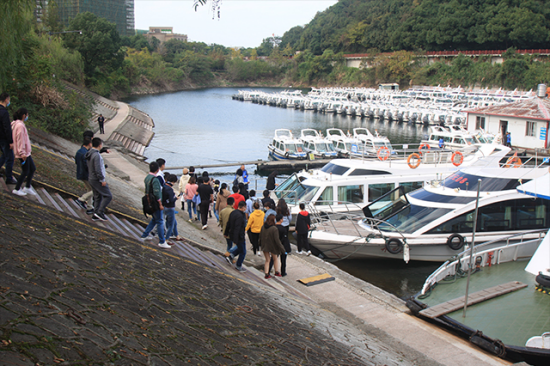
x,y
235,230
6,139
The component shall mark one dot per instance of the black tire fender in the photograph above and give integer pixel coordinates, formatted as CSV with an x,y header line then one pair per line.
x,y
394,246
543,281
452,241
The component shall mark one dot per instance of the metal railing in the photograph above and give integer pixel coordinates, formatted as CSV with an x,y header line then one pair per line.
x,y
504,249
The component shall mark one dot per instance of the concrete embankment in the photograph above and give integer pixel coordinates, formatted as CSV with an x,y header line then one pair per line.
x,y
144,306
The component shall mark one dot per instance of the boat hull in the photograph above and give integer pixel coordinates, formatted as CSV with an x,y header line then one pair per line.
x,y
335,246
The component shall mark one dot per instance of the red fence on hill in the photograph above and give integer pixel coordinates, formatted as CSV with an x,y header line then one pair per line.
x,y
455,53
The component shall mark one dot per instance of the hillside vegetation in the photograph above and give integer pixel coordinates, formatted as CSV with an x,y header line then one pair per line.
x,y
390,25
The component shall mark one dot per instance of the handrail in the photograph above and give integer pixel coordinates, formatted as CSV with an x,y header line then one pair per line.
x,y
450,265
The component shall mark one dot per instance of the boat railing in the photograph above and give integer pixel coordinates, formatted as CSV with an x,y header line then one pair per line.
x,y
329,215
501,250
335,217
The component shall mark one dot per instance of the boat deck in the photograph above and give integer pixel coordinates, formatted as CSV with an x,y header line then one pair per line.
x,y
346,227
513,317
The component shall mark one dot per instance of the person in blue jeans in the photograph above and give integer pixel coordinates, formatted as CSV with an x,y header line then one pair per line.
x,y
158,216
235,230
169,202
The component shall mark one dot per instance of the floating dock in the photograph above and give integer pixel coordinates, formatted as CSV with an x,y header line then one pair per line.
x,y
268,166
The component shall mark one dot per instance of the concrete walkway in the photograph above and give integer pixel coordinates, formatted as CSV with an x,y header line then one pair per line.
x,y
123,166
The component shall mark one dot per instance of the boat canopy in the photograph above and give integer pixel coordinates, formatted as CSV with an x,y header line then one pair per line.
x,y
538,187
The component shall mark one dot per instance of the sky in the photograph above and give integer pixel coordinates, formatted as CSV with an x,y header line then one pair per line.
x,y
242,23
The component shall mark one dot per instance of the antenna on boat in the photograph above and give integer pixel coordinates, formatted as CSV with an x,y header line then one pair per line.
x,y
472,249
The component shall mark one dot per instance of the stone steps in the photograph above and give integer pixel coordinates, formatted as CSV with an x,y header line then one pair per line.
x,y
122,226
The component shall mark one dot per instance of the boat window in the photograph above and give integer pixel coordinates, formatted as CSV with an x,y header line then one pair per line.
x,y
468,182
411,186
387,205
291,148
322,147
426,195
459,141
287,186
299,148
275,143
334,169
366,172
469,140
326,197
341,145
521,214
378,190
351,194
412,218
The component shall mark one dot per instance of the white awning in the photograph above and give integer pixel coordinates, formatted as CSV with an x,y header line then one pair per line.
x,y
539,187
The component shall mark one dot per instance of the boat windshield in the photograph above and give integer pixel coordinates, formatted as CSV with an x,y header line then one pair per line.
x,y
412,218
334,169
354,147
287,186
294,148
469,140
322,147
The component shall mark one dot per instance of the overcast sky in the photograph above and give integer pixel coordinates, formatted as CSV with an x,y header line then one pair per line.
x,y
242,23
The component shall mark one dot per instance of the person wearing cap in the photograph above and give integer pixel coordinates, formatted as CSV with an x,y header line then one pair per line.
x,y
184,180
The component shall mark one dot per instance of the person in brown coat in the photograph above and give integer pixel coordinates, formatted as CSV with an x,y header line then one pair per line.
x,y
271,245
221,199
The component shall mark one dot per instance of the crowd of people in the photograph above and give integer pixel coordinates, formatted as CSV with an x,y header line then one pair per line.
x,y
238,211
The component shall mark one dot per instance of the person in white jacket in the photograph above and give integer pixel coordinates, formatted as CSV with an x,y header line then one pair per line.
x,y
184,180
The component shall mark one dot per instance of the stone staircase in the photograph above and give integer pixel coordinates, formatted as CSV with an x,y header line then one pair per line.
x,y
135,132
127,226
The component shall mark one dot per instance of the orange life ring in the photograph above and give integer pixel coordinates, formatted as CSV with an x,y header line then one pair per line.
x,y
417,162
460,159
383,153
422,146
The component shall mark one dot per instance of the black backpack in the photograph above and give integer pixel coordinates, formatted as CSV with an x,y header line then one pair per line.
x,y
149,201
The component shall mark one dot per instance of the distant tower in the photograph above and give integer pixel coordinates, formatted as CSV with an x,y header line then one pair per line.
x,y
120,12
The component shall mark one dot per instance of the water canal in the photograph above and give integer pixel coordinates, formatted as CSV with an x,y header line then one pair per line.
x,y
207,127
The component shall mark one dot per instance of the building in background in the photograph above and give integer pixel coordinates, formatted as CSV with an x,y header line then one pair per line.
x,y
164,34
120,12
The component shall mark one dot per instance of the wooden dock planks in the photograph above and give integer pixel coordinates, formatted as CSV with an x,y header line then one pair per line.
x,y
477,297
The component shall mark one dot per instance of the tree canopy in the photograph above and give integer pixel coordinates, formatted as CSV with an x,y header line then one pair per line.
x,y
392,25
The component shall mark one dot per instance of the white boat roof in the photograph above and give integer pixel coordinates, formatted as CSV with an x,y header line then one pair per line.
x,y
539,187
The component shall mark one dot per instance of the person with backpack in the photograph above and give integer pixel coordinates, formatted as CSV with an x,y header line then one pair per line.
x,y
98,180
152,184
254,227
303,223
169,199
22,150
82,175
221,200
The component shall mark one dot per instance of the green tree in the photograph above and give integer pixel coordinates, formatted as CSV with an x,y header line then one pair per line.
x,y
15,24
99,44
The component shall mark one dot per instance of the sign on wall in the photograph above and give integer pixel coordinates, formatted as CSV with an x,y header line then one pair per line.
x,y
542,135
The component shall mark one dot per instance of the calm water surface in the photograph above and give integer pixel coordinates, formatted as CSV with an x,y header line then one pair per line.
x,y
208,127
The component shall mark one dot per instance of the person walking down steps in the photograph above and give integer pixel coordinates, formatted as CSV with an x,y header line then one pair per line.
x,y
82,175
101,123
22,150
153,184
6,139
97,179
